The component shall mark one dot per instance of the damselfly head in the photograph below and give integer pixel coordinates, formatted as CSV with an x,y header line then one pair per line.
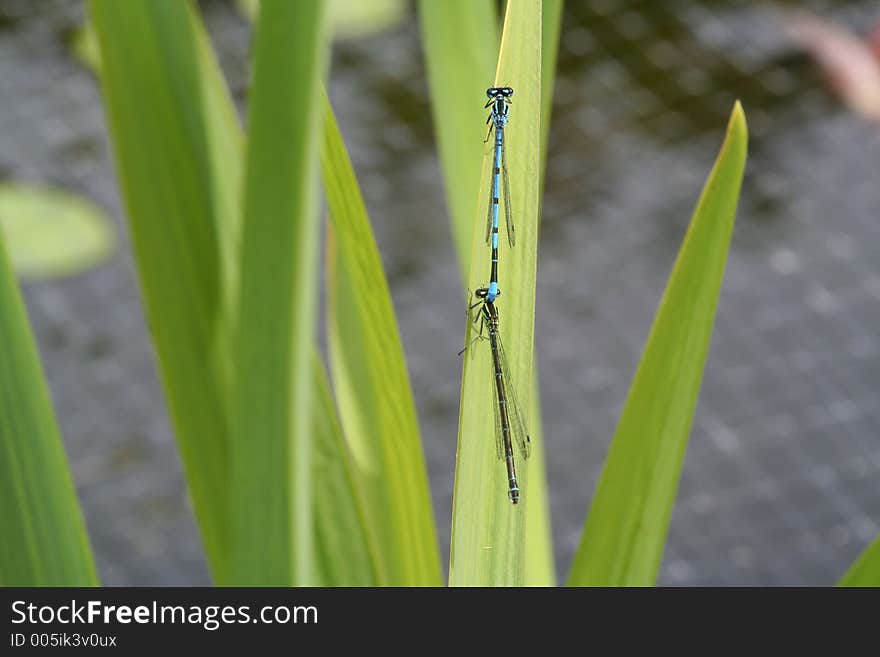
x,y
495,92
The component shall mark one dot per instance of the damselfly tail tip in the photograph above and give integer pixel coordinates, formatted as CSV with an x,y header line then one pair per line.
x,y
514,494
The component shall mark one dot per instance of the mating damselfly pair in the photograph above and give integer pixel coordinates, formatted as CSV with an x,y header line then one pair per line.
x,y
510,427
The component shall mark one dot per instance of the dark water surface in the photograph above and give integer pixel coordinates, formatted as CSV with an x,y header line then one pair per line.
x,y
780,484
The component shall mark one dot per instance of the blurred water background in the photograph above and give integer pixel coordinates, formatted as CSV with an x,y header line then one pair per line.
x,y
780,484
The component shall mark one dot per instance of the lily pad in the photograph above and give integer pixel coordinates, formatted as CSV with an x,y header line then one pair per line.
x,y
52,233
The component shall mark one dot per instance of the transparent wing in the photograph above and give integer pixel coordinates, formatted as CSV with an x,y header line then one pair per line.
x,y
518,425
508,213
499,437
489,218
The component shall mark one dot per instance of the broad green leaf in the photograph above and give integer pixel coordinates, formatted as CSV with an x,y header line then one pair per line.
x,y
163,121
52,233
270,495
372,385
460,39
459,120
343,554
333,500
551,26
225,145
341,543
488,532
622,543
866,569
44,541
540,564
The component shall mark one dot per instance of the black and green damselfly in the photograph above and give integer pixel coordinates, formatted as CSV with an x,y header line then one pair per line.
x,y
510,426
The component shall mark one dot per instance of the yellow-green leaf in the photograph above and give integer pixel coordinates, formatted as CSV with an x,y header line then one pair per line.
x,y
372,385
458,75
540,569
551,27
52,233
270,497
622,543
44,541
866,569
84,46
344,555
348,18
540,565
460,39
340,540
488,532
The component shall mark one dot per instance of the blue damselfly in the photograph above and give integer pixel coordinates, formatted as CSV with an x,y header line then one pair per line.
x,y
499,101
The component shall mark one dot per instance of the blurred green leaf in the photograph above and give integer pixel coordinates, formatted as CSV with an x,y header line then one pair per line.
x,y
84,46
353,18
340,560
173,190
460,39
551,28
349,18
52,233
488,533
345,553
866,569
270,483
44,539
372,385
342,554
623,540
248,8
